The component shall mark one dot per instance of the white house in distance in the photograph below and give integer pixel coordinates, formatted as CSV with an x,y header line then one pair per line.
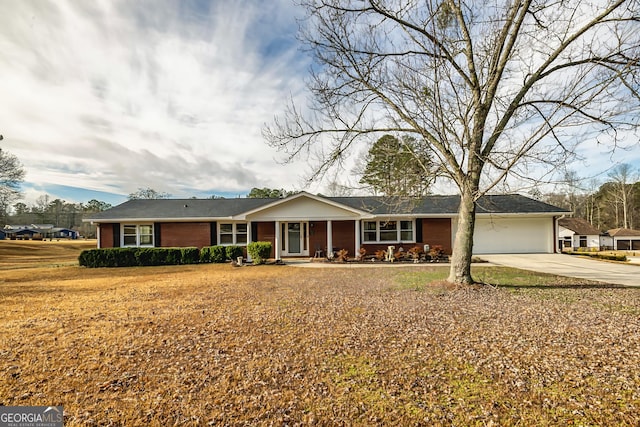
x,y
575,233
623,239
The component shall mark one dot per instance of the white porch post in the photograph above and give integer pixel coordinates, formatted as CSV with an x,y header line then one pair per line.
x,y
357,249
98,234
249,238
329,240
278,242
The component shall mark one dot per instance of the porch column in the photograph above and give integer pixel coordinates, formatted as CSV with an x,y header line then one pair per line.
x,y
357,249
329,240
98,234
249,239
278,242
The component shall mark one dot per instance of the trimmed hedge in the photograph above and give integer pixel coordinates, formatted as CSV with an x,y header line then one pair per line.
x,y
213,254
609,257
259,251
233,252
138,257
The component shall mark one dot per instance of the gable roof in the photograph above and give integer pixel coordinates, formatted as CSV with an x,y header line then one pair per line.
x,y
578,226
210,209
619,232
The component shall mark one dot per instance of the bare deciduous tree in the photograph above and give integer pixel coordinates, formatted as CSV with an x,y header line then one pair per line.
x,y
622,178
496,90
11,175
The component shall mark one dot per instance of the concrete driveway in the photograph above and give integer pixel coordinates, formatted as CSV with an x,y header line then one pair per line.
x,y
571,266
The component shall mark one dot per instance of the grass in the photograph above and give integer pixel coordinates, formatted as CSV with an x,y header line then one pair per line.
x,y
216,345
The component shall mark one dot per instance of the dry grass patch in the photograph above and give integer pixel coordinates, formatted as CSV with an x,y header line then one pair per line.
x,y
41,253
212,344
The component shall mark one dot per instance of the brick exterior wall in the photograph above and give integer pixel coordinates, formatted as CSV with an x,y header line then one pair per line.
x,y
344,236
317,237
437,231
106,235
266,233
182,234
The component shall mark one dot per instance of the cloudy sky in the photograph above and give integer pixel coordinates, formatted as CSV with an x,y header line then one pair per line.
x,y
102,97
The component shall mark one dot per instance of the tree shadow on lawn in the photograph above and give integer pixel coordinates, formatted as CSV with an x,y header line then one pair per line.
x,y
561,286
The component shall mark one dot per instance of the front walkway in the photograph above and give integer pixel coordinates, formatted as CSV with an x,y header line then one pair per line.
x,y
300,262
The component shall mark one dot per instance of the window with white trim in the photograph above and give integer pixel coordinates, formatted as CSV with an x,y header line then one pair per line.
x,y
388,231
232,233
137,235
406,231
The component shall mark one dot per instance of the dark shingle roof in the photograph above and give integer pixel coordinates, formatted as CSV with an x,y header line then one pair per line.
x,y
223,208
579,226
180,208
433,205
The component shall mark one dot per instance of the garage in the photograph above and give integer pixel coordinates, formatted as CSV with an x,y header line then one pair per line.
x,y
625,239
504,234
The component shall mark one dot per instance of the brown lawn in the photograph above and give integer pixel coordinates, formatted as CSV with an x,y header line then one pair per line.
x,y
274,345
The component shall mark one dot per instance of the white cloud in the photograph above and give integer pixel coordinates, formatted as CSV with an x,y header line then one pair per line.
x,y
166,94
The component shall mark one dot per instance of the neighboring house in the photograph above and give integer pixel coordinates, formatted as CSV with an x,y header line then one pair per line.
x,y
306,225
624,239
39,231
574,233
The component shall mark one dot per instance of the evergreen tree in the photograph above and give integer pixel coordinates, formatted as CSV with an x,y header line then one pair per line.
x,y
398,167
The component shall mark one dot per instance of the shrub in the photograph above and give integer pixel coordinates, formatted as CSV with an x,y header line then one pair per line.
x,y
436,252
216,254
149,256
205,254
415,253
609,257
343,255
132,257
612,257
259,251
233,252
190,255
113,257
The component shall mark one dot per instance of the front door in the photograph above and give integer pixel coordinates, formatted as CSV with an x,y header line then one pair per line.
x,y
295,239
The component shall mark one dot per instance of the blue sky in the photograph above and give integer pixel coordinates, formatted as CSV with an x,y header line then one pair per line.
x,y
103,97
100,98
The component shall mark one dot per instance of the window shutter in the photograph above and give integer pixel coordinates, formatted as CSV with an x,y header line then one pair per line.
x,y
254,232
418,235
116,234
214,233
156,235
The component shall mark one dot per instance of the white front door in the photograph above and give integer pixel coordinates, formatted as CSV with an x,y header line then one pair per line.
x,y
295,238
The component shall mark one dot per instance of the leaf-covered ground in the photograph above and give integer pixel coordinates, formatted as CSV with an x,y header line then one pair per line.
x,y
273,345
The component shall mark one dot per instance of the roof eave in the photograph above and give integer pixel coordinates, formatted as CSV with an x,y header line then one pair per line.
x,y
151,219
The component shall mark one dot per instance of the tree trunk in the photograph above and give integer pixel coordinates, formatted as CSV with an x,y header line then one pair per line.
x,y
460,272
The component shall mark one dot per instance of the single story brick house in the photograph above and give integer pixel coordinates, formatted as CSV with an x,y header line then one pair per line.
x,y
305,225
577,233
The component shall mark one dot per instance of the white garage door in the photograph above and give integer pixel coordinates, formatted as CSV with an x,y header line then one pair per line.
x,y
513,235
